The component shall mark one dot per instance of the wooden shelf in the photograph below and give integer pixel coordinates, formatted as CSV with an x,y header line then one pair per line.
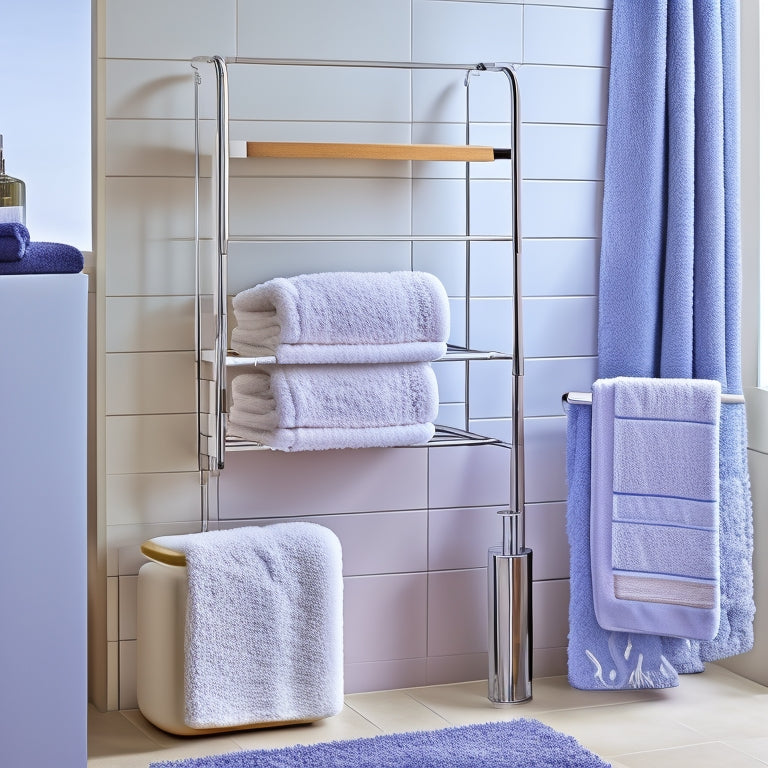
x,y
336,151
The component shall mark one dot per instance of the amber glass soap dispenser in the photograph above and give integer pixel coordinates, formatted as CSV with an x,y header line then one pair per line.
x,y
13,195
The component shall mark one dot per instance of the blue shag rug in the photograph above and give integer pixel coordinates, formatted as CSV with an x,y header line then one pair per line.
x,y
519,743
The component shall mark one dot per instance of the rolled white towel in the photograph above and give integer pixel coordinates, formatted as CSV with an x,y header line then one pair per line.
x,y
344,317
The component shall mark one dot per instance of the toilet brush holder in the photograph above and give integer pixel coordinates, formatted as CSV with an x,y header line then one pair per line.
x,y
510,617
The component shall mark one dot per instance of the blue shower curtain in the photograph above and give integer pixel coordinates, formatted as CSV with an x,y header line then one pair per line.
x,y
670,301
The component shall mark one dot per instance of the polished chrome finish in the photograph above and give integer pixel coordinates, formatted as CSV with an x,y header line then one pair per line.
x,y
585,398
510,626
368,238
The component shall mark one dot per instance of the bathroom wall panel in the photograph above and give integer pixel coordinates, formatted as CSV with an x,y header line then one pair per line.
x,y
150,323
440,97
556,35
163,29
490,389
451,32
157,147
545,534
446,261
320,93
458,612
450,381
384,675
570,209
557,94
127,672
264,484
371,603
154,497
563,152
128,586
491,272
550,613
154,267
150,382
498,429
154,89
545,459
311,206
152,443
560,326
606,4
492,324
375,30
442,670
548,379
560,267
468,476
143,212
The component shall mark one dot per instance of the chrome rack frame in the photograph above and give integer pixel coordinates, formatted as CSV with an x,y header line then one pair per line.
x,y
510,617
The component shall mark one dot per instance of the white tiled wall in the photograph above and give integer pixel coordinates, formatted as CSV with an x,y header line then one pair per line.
x,y
415,524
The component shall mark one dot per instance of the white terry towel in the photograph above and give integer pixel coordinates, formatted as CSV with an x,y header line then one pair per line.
x,y
344,317
317,407
263,637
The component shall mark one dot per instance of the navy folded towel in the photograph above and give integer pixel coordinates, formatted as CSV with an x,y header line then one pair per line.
x,y
14,240
45,259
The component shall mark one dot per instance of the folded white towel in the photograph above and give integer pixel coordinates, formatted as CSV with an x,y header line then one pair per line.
x,y
263,636
313,407
344,317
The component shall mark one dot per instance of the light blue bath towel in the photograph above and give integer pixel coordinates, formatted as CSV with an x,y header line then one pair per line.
x,y
599,659
654,519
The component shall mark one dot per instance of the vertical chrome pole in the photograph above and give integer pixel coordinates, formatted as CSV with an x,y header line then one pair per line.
x,y
510,566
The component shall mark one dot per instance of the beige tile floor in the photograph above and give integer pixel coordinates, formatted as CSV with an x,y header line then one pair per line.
x,y
713,719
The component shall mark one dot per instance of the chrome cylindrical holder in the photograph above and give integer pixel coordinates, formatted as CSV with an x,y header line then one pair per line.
x,y
510,626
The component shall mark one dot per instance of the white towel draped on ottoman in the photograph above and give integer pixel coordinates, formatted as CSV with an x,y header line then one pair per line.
x,y
263,636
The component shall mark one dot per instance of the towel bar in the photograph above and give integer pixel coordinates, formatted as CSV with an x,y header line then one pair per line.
x,y
585,398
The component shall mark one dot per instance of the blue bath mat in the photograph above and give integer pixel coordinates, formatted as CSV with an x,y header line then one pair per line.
x,y
515,744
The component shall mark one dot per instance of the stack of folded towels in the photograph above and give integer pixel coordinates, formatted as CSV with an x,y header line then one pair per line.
x,y
353,353
20,256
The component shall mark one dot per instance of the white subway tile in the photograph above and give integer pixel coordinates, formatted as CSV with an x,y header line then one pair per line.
x,y
498,429
152,498
150,323
152,268
557,35
547,380
157,443
385,617
332,482
606,4
571,209
150,148
457,669
550,613
146,213
468,476
492,324
560,327
161,29
563,94
451,415
491,271
440,96
113,609
128,587
150,382
460,538
490,389
458,612
128,698
461,32
545,460
377,30
155,89
560,267
447,261
545,534
320,207
450,381
574,152
366,676
320,93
